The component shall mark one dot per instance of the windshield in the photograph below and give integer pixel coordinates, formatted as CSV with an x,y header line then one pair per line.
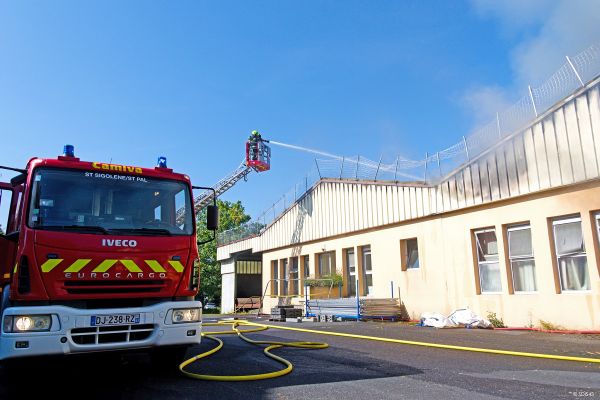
x,y
97,202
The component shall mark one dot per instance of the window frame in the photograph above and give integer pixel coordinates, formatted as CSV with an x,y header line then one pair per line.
x,y
404,255
274,278
479,262
513,228
561,221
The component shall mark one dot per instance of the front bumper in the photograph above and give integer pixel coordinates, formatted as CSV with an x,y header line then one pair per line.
x,y
72,332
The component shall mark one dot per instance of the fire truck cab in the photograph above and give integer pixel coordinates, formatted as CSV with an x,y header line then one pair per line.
x,y
97,256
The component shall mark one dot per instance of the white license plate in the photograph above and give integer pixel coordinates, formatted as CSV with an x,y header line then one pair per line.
x,y
115,319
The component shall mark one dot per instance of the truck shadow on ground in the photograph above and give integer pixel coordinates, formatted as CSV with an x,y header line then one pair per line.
x,y
133,376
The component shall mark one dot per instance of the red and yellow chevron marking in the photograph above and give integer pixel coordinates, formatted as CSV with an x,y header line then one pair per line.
x,y
107,264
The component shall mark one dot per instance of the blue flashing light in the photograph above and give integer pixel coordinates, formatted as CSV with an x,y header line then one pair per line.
x,y
162,162
69,150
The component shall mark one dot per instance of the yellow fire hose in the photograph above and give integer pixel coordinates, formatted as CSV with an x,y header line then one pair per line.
x,y
317,345
235,330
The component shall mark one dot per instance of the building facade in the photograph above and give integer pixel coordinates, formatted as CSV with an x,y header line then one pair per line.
x,y
513,231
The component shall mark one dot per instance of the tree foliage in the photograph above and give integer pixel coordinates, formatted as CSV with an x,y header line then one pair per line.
x,y
231,215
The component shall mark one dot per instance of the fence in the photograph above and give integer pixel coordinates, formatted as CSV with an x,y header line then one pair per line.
x,y
571,76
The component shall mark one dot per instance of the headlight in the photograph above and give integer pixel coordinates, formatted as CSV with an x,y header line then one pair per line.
x,y
185,315
27,323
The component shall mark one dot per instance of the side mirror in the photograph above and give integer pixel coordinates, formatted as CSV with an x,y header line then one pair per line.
x,y
12,237
17,180
212,218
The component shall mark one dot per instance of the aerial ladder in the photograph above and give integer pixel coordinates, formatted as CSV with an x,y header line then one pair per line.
x,y
258,159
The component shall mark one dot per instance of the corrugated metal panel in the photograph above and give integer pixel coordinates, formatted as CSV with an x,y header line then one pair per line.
x,y
476,183
521,165
594,106
372,214
540,155
364,213
562,142
389,199
532,172
493,175
552,152
453,194
394,203
406,196
401,204
427,201
468,186
574,142
439,201
502,173
413,202
379,205
446,196
511,168
587,139
485,181
460,189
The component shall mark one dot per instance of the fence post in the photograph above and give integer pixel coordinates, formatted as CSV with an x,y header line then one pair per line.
x,y
438,162
378,165
357,162
396,170
392,287
318,170
574,70
466,148
342,168
532,101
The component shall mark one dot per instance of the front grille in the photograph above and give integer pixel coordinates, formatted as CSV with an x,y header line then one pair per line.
x,y
111,334
114,286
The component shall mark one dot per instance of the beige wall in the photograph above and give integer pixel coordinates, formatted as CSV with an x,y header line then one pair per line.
x,y
446,277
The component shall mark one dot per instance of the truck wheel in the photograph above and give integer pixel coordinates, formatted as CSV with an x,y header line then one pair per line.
x,y
168,358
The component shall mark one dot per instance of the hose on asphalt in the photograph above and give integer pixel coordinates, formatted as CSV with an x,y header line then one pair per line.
x,y
235,330
272,345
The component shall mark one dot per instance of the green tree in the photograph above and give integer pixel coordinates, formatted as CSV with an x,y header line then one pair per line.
x,y
231,215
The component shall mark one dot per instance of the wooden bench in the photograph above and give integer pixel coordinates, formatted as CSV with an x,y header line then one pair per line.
x,y
247,303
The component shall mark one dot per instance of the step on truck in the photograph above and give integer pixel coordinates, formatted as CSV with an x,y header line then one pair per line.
x,y
98,257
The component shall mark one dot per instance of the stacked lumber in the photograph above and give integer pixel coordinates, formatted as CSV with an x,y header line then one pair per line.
x,y
378,308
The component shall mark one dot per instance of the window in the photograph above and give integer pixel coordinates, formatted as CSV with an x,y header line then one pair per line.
x,y
275,280
286,276
487,260
570,254
112,204
520,256
367,270
294,276
306,266
326,263
351,272
409,253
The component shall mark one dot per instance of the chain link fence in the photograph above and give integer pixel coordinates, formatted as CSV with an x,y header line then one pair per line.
x,y
571,76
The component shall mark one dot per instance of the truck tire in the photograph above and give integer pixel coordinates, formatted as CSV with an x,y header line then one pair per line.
x,y
168,358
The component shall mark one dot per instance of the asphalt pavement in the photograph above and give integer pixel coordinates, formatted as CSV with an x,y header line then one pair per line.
x,y
349,369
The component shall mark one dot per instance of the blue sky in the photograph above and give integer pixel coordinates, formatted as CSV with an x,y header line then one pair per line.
x,y
128,81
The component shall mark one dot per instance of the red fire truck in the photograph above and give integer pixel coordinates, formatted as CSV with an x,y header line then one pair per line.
x,y
98,256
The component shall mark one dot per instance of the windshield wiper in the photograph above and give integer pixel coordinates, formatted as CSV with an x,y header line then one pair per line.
x,y
144,231
78,228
